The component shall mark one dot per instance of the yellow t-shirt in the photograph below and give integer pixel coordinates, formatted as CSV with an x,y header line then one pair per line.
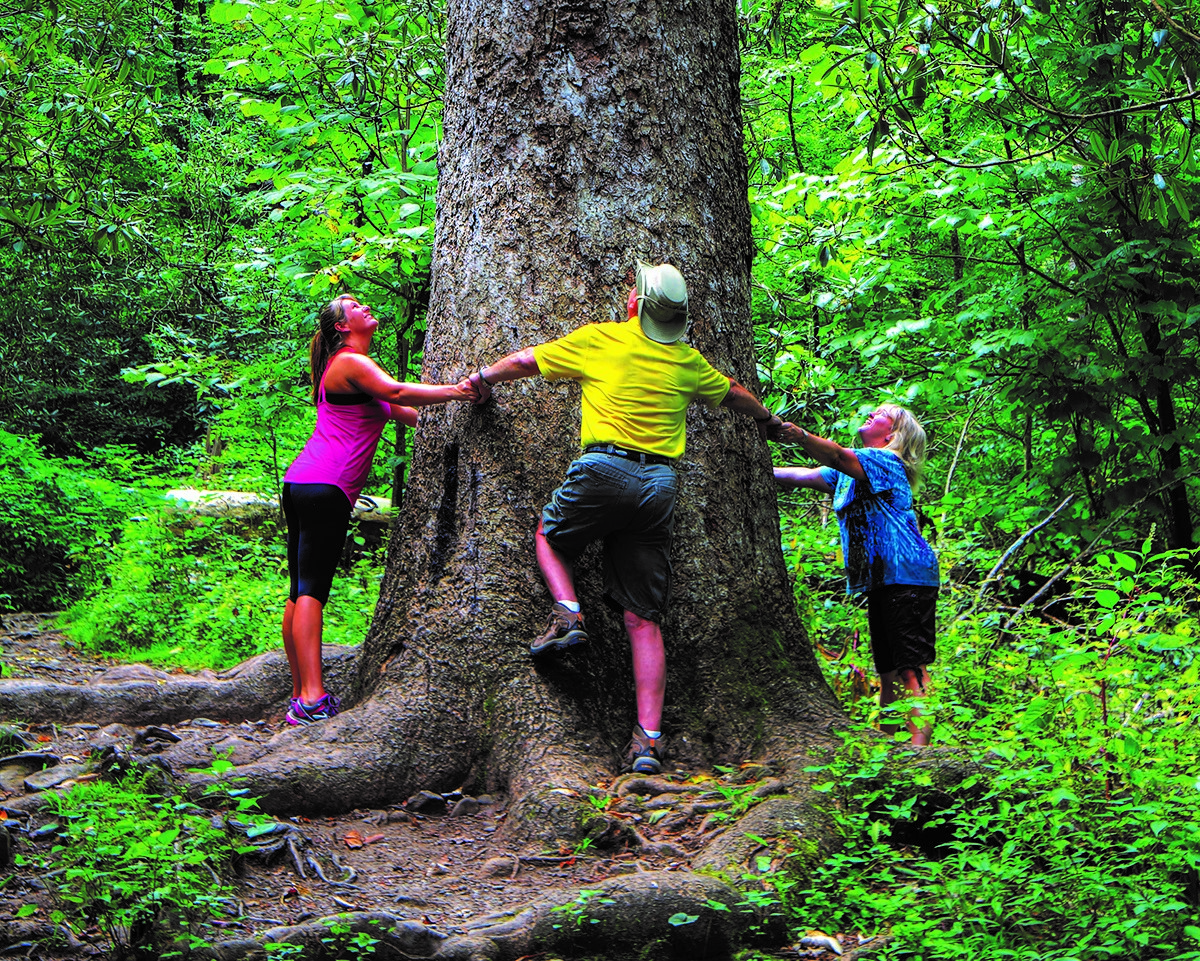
x,y
635,391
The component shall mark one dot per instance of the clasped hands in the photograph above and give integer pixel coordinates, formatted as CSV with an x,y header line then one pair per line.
x,y
477,390
789,433
780,431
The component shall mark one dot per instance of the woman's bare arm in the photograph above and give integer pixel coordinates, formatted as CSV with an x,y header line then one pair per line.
x,y
406,415
826,452
357,372
807,477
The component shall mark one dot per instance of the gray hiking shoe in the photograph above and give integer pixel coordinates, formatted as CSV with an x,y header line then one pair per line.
x,y
642,757
564,630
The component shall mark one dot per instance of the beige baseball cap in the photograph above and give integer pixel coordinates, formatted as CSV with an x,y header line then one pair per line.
x,y
662,302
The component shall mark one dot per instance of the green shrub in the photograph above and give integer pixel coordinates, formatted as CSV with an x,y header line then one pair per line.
x,y
1076,834
812,552
55,515
145,868
191,591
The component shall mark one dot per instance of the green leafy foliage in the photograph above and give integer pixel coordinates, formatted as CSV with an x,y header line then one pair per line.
x,y
1003,240
200,592
344,942
115,201
578,911
143,867
1072,832
53,514
351,96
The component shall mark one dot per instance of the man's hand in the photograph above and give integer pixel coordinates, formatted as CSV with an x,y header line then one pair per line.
x,y
768,428
480,388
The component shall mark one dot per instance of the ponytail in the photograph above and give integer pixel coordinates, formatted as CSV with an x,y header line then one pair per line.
x,y
326,342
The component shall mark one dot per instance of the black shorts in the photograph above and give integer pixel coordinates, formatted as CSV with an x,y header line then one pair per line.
x,y
318,516
631,507
901,618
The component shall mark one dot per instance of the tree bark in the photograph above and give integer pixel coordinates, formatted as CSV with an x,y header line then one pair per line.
x,y
578,136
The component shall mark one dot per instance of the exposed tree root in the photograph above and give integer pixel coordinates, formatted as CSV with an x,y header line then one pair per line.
x,y
627,914
137,694
640,784
670,915
657,847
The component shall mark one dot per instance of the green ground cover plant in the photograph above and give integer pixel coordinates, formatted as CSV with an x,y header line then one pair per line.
x,y
1075,832
55,513
146,867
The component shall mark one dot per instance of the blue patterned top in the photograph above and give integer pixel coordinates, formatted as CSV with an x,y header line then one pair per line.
x,y
880,538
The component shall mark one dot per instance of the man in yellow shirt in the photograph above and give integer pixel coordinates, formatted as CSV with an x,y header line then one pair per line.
x,y
637,380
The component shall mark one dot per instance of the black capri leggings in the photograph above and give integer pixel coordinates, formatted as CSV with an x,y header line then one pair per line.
x,y
318,516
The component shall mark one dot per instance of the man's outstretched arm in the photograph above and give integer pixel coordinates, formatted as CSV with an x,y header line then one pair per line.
x,y
513,367
744,402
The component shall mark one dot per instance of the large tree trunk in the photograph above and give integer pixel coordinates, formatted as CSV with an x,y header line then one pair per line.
x,y
577,137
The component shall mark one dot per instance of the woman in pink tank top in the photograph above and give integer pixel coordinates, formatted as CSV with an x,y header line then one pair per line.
x,y
355,398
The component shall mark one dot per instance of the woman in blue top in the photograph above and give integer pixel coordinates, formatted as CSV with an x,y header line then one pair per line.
x,y
886,557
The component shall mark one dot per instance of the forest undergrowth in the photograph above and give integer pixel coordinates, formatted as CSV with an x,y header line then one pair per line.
x,y
139,578
1071,828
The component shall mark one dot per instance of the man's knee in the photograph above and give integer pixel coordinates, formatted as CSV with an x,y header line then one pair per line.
x,y
635,622
644,634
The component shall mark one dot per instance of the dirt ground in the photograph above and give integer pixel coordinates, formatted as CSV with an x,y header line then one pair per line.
x,y
431,859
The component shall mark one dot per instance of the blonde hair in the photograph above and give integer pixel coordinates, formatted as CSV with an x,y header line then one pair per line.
x,y
908,442
327,341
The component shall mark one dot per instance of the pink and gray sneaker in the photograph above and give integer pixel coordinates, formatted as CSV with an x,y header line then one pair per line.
x,y
300,713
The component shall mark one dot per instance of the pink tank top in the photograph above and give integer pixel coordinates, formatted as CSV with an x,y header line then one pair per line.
x,y
343,444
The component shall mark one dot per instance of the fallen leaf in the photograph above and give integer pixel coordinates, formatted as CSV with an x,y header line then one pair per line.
x,y
43,738
353,839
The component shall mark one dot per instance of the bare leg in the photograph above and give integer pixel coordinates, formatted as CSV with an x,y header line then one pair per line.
x,y
649,669
556,569
902,683
306,639
289,645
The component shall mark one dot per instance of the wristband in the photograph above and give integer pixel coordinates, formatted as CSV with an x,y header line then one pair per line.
x,y
484,379
764,420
